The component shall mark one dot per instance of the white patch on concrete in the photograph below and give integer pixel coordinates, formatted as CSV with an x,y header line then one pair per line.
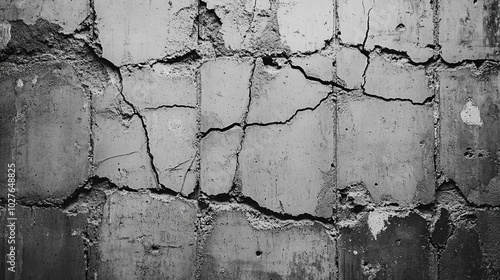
x,y
20,83
377,222
35,80
4,34
471,115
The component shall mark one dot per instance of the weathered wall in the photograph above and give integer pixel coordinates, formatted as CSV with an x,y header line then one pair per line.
x,y
218,139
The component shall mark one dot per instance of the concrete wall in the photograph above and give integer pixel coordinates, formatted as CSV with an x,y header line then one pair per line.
x,y
218,139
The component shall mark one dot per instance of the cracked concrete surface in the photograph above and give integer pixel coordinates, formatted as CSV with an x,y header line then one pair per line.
x,y
252,139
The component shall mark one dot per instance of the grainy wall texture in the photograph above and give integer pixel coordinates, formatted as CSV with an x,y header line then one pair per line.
x,y
250,139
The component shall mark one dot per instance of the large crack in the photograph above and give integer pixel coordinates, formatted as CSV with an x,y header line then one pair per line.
x,y
143,123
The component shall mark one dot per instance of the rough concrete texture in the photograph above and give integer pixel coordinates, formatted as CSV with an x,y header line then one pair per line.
x,y
271,26
388,147
399,25
225,86
400,81
277,94
472,252
250,139
468,30
236,250
160,85
289,168
45,108
169,31
67,14
147,237
470,132
385,247
173,130
219,151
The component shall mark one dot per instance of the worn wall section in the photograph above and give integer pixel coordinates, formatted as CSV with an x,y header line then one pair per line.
x,y
250,139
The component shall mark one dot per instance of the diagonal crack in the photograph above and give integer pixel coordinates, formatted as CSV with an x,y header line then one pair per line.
x,y
329,83
329,95
120,155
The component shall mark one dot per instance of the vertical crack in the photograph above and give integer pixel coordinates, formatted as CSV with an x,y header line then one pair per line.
x,y
367,29
244,122
143,123
363,49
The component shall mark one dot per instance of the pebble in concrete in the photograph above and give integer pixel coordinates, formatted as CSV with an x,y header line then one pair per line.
x,y
278,93
289,168
160,85
225,85
147,237
46,118
67,14
470,133
235,249
127,39
399,251
172,138
388,146
316,66
49,244
468,30
305,26
399,25
120,152
387,80
218,160
351,65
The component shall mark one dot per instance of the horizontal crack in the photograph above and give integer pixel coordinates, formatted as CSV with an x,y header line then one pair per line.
x,y
169,107
247,201
428,100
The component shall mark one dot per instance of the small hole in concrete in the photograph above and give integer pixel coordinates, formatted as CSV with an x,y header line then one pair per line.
x,y
358,208
401,27
258,253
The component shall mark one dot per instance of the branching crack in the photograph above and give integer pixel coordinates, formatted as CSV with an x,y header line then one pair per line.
x,y
143,123
186,173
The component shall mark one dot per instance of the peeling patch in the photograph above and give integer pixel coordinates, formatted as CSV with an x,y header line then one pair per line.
x,y
377,221
471,115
